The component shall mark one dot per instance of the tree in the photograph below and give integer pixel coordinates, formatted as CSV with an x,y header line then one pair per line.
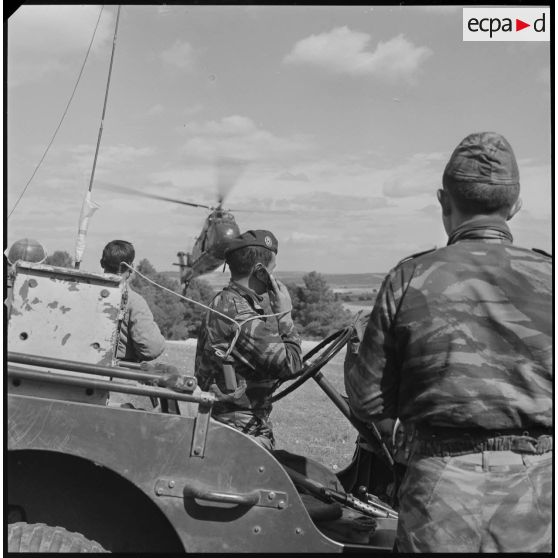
x,y
200,291
316,310
176,318
60,258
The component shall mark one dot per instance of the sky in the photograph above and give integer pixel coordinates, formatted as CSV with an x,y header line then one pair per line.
x,y
341,120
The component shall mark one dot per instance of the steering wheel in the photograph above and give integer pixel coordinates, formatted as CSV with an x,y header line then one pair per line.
x,y
325,351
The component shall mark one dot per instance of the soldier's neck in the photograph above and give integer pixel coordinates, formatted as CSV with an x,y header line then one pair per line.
x,y
244,281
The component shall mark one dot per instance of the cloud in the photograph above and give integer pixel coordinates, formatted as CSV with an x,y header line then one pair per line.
x,y
327,201
292,177
191,110
180,55
343,51
305,237
238,137
48,39
430,210
111,157
536,188
155,110
315,206
420,174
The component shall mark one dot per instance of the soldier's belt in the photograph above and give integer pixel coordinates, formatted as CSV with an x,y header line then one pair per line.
x,y
452,441
491,461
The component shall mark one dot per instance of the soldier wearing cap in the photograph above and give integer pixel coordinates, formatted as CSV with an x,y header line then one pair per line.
x,y
459,347
267,349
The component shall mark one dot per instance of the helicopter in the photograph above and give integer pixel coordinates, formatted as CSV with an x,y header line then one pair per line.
x,y
219,228
208,252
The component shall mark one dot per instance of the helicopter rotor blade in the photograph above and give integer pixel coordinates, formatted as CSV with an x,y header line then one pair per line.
x,y
133,192
229,171
245,210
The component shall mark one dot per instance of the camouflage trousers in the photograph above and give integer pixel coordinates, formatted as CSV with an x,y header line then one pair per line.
x,y
492,501
256,426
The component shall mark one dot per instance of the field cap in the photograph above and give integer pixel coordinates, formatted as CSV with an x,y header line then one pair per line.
x,y
264,239
482,157
28,250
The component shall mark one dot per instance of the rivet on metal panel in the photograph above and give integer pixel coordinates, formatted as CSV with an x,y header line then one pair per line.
x,y
261,468
271,495
298,531
159,491
171,484
23,335
190,383
257,529
32,283
281,504
96,346
104,293
197,451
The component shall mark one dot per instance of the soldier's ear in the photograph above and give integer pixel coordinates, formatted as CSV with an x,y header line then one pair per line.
x,y
514,208
444,200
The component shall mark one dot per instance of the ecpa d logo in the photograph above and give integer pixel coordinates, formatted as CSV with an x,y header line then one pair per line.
x,y
506,24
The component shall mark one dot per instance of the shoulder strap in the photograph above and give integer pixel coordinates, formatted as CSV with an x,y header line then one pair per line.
x,y
539,251
413,256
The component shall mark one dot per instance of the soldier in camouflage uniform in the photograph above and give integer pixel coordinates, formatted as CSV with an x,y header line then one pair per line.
x,y
268,347
459,347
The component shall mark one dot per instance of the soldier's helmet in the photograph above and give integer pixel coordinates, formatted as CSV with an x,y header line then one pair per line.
x,y
26,249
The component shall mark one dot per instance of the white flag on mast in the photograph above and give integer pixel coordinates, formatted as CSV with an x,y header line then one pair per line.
x,y
87,209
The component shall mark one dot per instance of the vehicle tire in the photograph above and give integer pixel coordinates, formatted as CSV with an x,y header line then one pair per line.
x,y
38,537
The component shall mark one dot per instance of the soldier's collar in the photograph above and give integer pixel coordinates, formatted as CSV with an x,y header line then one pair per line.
x,y
482,227
246,292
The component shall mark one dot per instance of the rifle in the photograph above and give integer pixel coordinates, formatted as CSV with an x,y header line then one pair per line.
x,y
371,507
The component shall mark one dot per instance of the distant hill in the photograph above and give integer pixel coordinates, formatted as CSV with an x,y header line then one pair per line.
x,y
336,281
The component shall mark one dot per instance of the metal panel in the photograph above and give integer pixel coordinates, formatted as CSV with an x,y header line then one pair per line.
x,y
64,313
145,447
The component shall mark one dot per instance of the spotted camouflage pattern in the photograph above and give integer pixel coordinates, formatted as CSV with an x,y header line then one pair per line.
x,y
140,338
448,504
267,350
460,337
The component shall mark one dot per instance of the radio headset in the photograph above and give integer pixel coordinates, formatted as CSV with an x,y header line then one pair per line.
x,y
262,274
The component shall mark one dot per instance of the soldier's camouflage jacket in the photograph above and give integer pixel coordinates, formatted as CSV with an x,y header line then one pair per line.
x,y
140,337
460,336
267,349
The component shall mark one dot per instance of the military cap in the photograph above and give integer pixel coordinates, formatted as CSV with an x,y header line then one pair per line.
x,y
265,239
482,157
26,249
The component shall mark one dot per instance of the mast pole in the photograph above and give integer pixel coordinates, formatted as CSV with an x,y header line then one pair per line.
x,y
89,207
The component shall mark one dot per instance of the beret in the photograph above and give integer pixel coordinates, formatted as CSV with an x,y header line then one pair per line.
x,y
483,157
265,239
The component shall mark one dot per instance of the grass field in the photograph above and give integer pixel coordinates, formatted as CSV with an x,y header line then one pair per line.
x,y
305,421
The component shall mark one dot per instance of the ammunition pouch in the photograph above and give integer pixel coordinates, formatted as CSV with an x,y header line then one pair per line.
x,y
229,375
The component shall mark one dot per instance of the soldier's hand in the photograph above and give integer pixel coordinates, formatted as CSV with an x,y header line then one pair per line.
x,y
279,297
